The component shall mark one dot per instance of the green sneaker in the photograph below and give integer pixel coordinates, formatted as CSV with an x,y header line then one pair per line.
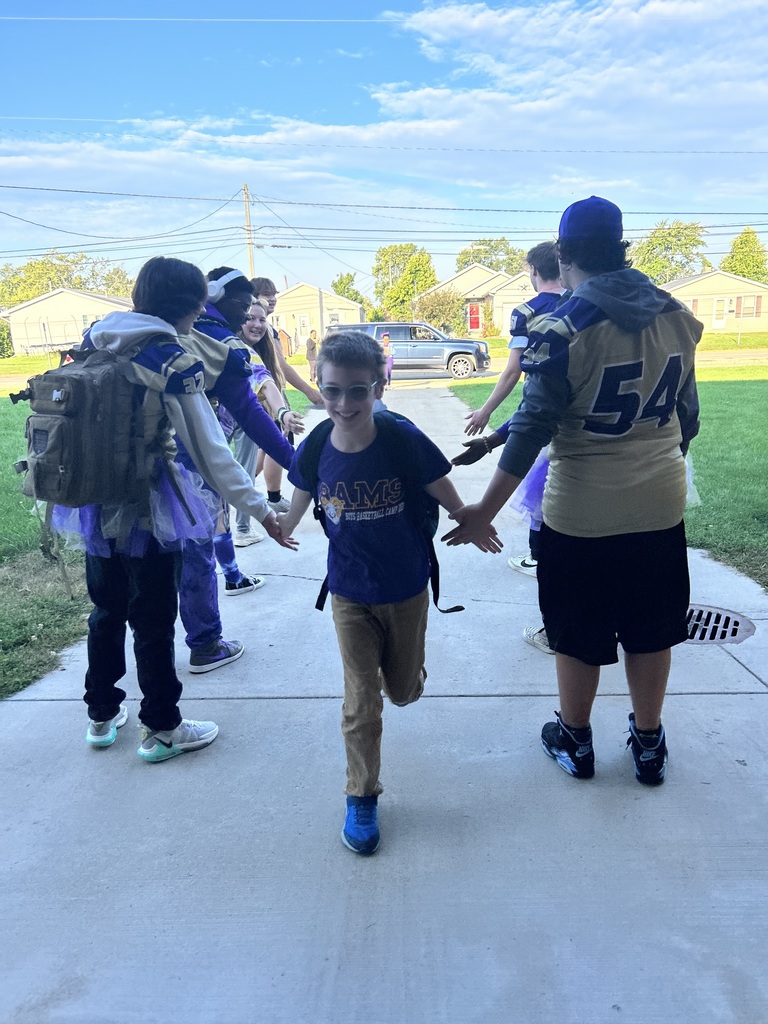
x,y
159,745
104,734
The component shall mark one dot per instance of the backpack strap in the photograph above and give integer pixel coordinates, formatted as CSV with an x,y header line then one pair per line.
x,y
403,454
309,467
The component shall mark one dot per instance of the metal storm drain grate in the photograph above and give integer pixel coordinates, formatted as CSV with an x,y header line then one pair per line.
x,y
717,625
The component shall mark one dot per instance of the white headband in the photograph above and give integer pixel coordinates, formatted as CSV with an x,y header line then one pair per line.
x,y
216,288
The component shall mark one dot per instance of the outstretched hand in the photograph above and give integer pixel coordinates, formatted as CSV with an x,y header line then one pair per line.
x,y
293,422
478,421
476,450
474,528
273,528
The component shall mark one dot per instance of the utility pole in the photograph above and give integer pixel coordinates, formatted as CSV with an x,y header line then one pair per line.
x,y
249,239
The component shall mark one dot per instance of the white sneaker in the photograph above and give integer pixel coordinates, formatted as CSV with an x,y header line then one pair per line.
x,y
188,735
244,540
523,563
280,506
536,636
104,734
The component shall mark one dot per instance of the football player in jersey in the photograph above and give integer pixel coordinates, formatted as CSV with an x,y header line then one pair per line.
x,y
611,388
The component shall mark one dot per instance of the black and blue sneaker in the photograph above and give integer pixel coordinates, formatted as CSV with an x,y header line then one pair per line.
x,y
649,750
361,825
571,748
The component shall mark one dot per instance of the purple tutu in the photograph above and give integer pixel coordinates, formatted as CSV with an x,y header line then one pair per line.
x,y
528,497
105,530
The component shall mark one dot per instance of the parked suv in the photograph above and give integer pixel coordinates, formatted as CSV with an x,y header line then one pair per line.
x,y
419,346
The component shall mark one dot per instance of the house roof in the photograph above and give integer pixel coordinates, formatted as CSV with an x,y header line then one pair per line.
x,y
448,282
314,288
679,282
113,300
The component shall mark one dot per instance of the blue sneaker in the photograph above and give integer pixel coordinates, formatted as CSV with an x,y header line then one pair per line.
x,y
361,825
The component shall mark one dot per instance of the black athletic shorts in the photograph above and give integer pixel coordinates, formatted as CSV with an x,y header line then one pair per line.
x,y
597,592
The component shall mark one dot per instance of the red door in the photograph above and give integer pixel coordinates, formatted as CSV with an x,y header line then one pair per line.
x,y
474,316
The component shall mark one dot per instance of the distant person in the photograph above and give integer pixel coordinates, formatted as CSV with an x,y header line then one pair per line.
x,y
544,272
378,562
312,346
265,293
269,385
611,387
386,348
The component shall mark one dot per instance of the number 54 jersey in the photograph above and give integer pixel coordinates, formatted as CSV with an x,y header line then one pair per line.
x,y
610,380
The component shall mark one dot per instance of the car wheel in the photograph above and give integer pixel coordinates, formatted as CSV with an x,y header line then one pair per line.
x,y
461,367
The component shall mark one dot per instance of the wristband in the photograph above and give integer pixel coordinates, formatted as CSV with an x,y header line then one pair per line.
x,y
282,412
487,443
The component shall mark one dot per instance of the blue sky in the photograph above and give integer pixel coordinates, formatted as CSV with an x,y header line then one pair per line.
x,y
353,123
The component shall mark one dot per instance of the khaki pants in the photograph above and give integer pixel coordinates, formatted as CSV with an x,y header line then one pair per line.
x,y
382,647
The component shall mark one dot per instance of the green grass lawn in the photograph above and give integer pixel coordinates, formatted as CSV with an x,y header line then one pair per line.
x,y
38,618
729,459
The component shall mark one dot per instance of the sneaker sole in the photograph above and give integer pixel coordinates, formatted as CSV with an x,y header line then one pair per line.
x,y
361,853
656,780
565,762
197,669
245,590
109,739
161,753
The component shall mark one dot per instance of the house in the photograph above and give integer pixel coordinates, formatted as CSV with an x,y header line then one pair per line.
x,y
723,301
478,285
305,307
57,319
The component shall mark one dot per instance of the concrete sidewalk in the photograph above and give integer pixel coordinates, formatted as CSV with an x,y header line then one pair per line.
x,y
214,888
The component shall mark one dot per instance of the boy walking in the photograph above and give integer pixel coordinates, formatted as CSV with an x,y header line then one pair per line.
x,y
378,560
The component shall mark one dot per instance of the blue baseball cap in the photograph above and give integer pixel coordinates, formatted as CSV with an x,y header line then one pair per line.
x,y
591,219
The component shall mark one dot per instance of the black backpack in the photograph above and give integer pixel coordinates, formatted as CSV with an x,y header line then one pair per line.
x,y
423,509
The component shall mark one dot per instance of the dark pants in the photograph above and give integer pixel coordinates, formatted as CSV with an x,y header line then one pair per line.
x,y
534,543
144,593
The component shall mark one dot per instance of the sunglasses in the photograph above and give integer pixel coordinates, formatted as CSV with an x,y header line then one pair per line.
x,y
356,393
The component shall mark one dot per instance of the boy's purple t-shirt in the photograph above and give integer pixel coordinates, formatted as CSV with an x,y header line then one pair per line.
x,y
376,553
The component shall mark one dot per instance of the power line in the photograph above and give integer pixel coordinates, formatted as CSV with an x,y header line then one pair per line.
x,y
383,206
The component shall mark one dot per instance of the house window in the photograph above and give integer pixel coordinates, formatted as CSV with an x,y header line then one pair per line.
x,y
748,305
474,316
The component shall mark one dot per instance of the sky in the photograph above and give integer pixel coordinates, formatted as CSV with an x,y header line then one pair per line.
x,y
356,124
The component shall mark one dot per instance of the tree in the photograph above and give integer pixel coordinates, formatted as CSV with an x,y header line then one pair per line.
x,y
748,257
390,263
117,282
343,285
6,349
670,250
58,270
443,308
495,253
417,276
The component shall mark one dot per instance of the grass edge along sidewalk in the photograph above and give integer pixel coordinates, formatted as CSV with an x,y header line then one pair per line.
x,y
731,523
38,617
